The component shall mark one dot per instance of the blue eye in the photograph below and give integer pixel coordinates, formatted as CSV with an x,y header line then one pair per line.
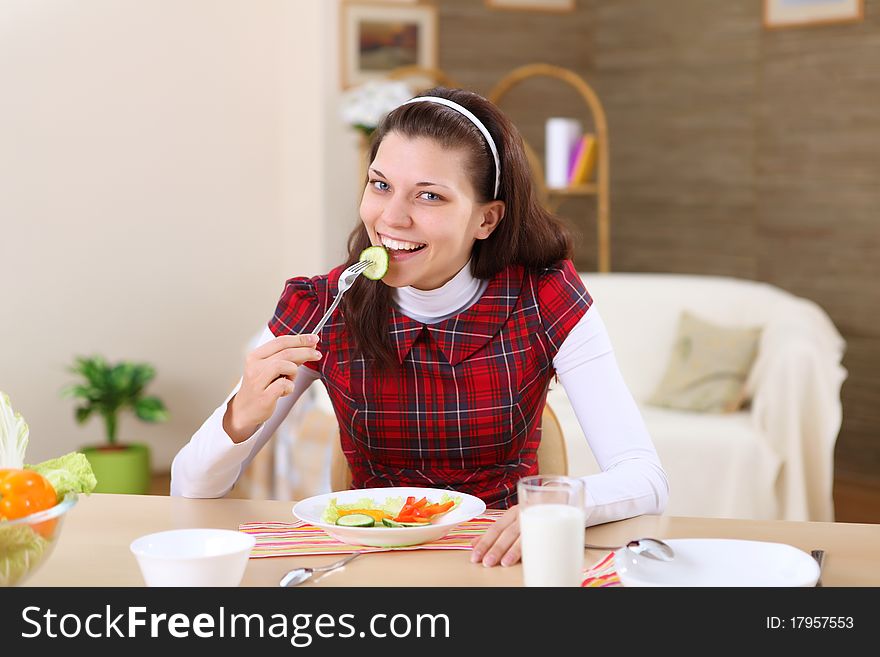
x,y
379,185
430,196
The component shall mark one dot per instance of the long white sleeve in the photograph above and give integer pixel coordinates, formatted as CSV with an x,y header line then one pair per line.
x,y
632,481
210,464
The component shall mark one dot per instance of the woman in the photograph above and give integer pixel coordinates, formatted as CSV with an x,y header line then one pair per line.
x,y
438,373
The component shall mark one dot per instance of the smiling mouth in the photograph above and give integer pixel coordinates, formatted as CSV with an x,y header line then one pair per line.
x,y
400,246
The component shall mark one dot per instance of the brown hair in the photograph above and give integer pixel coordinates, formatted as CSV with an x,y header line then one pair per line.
x,y
528,235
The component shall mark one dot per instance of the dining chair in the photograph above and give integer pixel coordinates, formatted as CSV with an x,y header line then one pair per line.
x,y
552,455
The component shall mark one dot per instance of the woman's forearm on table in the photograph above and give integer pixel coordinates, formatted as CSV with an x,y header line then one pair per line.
x,y
632,481
630,488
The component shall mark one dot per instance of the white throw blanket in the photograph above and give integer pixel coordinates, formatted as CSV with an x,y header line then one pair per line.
x,y
795,384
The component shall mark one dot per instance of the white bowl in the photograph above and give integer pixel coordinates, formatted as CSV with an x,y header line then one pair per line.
x,y
310,510
193,557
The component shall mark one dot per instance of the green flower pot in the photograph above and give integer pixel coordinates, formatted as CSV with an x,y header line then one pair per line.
x,y
120,469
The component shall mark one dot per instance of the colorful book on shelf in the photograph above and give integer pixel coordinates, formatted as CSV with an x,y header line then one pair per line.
x,y
575,154
583,160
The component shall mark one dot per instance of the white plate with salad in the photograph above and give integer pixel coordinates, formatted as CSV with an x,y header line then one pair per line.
x,y
389,517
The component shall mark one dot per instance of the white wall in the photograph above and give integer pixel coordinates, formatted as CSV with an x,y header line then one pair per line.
x,y
162,172
342,173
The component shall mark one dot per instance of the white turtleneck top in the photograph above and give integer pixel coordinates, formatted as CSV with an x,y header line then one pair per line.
x,y
632,481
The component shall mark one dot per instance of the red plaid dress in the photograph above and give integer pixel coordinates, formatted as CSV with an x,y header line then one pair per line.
x,y
463,410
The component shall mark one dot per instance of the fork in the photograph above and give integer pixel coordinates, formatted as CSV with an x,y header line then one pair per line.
x,y
346,279
819,556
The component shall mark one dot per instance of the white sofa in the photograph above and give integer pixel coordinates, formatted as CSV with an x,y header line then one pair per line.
x,y
773,460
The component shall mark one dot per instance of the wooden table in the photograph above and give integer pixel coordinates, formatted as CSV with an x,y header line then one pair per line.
x,y
93,547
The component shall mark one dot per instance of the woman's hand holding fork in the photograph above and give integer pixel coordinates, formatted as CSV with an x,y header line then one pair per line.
x,y
269,371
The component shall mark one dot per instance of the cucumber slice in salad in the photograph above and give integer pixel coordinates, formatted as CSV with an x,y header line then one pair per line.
x,y
393,523
378,255
356,520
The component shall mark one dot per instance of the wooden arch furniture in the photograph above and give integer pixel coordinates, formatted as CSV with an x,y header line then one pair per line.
x,y
601,188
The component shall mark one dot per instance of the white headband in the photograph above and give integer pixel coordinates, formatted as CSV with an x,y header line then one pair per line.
x,y
473,119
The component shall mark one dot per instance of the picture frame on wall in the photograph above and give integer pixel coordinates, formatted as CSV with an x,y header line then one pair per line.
x,y
532,5
378,37
779,14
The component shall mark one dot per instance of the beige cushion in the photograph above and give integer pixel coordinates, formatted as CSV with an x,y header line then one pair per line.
x,y
708,367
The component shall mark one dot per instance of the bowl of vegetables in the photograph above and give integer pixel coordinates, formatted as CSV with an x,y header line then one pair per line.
x,y
34,499
389,517
27,542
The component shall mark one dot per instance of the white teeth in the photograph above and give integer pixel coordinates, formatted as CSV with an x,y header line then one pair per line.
x,y
397,245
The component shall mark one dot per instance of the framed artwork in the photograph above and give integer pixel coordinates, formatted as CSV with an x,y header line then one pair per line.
x,y
378,37
794,13
532,5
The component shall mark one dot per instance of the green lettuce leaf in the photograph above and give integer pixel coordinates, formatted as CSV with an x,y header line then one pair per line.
x,y
392,506
456,500
71,473
21,549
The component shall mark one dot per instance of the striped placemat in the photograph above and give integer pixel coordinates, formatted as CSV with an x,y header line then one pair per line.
x,y
287,539
602,573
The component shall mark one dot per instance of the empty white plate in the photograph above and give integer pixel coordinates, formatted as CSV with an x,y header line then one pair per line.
x,y
720,562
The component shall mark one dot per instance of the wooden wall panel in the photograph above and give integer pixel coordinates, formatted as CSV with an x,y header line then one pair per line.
x,y
677,80
734,151
818,199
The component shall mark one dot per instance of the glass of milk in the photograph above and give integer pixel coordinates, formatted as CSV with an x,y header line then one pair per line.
x,y
551,521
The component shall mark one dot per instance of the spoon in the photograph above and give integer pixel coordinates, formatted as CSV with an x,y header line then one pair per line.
x,y
650,547
299,575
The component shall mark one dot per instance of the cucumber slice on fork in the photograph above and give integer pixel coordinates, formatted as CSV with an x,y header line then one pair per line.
x,y
378,256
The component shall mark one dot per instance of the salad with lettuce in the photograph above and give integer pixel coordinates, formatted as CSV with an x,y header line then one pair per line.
x,y
392,512
28,489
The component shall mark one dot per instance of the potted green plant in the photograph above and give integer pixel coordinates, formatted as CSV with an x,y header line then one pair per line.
x,y
106,389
